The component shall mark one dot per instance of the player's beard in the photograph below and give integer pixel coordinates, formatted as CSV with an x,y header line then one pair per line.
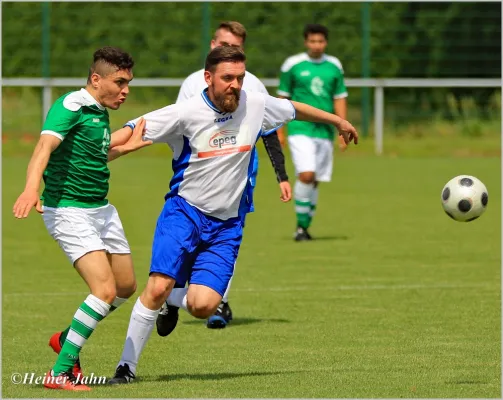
x,y
228,102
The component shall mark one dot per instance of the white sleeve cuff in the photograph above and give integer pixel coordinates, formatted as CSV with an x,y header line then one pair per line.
x,y
131,124
283,93
47,132
341,95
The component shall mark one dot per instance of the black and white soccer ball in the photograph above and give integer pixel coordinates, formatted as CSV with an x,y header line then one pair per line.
x,y
464,198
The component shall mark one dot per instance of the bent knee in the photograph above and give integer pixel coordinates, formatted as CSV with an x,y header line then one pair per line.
x,y
106,292
125,291
159,286
201,309
307,177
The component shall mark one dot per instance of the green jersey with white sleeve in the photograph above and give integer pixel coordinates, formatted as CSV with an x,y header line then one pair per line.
x,y
77,173
316,82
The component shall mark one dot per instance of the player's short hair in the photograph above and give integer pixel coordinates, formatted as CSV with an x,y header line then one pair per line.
x,y
223,54
315,28
234,27
108,60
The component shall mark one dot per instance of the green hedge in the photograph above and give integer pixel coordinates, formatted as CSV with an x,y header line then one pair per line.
x,y
166,39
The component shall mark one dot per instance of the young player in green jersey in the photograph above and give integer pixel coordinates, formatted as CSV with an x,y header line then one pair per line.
x,y
71,156
316,79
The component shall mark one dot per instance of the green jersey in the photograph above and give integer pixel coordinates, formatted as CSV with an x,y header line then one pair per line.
x,y
316,82
77,173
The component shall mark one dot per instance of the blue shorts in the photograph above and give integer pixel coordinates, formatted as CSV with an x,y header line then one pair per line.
x,y
190,246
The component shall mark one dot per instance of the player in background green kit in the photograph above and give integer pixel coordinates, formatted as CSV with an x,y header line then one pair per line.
x,y
317,79
71,156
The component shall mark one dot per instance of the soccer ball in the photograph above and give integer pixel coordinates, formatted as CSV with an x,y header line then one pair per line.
x,y
464,198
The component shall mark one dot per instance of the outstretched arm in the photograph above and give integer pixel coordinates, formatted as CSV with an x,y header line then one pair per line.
x,y
30,197
135,142
156,126
304,112
282,132
120,136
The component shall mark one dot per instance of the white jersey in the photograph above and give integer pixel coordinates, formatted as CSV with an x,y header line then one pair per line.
x,y
212,161
195,84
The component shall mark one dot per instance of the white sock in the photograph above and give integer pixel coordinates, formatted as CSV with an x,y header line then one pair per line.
x,y
98,305
140,327
225,299
314,202
178,298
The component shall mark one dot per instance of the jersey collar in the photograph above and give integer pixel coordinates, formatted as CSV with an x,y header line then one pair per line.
x,y
316,60
90,100
209,103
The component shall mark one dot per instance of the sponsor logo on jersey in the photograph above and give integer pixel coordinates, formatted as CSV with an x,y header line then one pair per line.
x,y
223,119
223,139
305,73
223,143
96,120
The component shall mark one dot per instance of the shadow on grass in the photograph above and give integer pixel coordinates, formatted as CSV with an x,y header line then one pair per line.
x,y
242,321
211,376
321,238
467,382
334,237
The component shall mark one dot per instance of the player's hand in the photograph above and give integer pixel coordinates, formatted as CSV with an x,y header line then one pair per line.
x,y
136,141
25,202
286,191
347,131
342,144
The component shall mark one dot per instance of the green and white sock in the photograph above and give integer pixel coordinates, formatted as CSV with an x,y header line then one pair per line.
x,y
85,320
115,305
314,202
302,193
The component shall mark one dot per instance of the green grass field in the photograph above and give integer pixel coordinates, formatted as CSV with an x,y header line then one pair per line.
x,y
394,299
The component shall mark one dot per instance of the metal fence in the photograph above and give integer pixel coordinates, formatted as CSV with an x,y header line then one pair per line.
x,y
378,85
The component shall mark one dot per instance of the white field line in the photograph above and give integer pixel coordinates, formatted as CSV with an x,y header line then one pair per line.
x,y
306,289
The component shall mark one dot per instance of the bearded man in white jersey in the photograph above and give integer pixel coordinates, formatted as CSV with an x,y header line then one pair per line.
x,y
199,231
228,33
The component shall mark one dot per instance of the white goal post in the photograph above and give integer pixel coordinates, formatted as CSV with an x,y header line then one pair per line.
x,y
378,84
